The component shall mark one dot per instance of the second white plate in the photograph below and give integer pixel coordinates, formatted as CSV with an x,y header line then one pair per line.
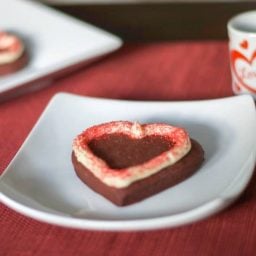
x,y
40,181
54,41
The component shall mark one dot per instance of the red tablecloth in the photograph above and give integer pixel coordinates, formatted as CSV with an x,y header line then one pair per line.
x,y
159,71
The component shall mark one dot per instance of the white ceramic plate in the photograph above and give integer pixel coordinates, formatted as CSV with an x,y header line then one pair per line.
x,y
40,181
54,41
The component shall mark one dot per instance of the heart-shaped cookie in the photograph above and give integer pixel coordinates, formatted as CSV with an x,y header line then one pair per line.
x,y
120,155
12,53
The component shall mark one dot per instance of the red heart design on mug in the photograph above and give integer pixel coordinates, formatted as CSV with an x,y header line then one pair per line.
x,y
244,69
244,44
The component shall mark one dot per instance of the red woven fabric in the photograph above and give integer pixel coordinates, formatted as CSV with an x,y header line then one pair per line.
x,y
159,71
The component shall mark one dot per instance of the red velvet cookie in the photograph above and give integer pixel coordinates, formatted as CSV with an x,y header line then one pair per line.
x,y
13,55
127,162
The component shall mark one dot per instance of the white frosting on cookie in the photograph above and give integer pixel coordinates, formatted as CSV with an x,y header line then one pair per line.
x,y
11,48
124,177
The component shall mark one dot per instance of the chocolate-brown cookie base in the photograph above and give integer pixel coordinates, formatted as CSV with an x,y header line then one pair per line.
x,y
15,66
147,187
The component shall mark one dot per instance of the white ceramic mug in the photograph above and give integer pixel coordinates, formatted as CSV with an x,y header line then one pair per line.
x,y
242,46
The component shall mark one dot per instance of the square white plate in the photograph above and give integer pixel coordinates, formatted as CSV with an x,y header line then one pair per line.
x,y
40,181
54,41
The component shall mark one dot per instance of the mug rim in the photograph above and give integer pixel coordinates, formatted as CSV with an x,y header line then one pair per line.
x,y
231,26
